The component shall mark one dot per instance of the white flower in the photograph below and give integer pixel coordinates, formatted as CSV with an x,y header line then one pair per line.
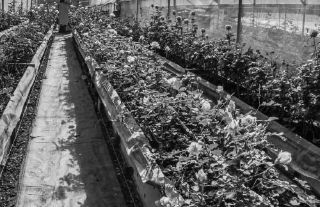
x,y
112,15
141,38
146,100
155,45
231,107
194,148
201,176
130,31
219,89
167,49
121,51
165,201
248,120
109,26
205,105
174,82
131,59
113,31
283,158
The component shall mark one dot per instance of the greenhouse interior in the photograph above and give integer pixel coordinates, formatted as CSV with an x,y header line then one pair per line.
x,y
159,103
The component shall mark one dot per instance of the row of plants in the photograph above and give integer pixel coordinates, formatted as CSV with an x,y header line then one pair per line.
x,y
8,19
17,49
214,155
291,94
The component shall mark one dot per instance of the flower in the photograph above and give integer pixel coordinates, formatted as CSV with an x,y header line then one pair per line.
x,y
201,176
112,15
113,31
155,45
109,26
179,19
174,82
130,31
231,107
205,105
131,59
174,12
283,158
228,27
248,120
203,30
194,148
141,38
165,201
219,89
167,49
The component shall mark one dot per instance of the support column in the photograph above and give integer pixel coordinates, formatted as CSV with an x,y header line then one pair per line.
x,y
239,26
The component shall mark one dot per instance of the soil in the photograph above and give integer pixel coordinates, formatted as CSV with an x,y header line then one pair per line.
x,y
10,176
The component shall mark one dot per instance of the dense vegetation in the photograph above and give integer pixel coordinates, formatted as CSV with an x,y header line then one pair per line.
x,y
214,155
291,94
17,49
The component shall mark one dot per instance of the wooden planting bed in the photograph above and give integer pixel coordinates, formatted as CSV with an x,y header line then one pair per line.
x,y
9,122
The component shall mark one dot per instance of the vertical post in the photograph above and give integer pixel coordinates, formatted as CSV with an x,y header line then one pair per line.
x,y
239,27
253,11
175,4
285,19
279,15
137,14
169,8
2,5
304,3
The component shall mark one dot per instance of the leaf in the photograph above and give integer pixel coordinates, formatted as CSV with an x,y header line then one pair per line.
x,y
294,202
271,118
213,146
230,195
217,152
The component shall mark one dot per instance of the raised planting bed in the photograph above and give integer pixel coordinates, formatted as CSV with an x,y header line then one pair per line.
x,y
191,150
277,89
9,20
17,48
14,110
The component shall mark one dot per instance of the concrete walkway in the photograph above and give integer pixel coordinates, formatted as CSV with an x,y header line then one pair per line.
x,y
68,162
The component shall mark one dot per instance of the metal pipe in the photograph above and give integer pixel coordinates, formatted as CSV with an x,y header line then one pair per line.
x,y
239,27
137,17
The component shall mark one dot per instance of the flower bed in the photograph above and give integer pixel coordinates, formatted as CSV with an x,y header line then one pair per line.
x,y
280,90
17,48
214,154
9,19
